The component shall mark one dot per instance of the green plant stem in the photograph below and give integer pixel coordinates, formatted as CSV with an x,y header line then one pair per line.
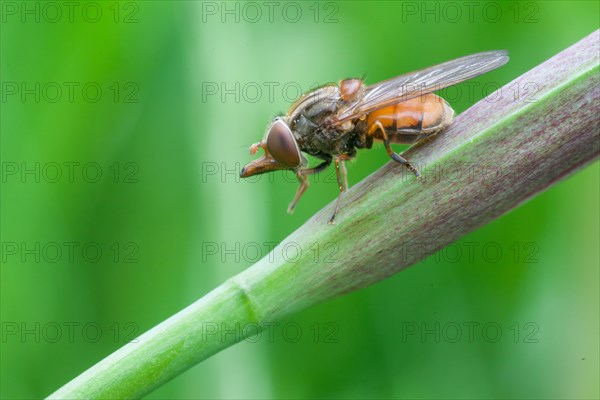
x,y
499,153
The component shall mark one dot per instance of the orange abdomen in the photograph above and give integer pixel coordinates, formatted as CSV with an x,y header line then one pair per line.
x,y
406,121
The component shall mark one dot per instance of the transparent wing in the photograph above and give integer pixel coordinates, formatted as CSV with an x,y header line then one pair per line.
x,y
417,83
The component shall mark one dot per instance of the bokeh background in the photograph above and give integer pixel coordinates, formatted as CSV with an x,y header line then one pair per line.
x,y
124,126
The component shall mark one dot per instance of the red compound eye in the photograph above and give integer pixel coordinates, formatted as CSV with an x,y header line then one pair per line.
x,y
282,145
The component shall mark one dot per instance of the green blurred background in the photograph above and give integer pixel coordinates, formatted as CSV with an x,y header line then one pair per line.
x,y
155,142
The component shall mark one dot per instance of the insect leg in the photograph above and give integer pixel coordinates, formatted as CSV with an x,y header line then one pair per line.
x,y
303,186
301,175
386,142
254,148
340,169
344,172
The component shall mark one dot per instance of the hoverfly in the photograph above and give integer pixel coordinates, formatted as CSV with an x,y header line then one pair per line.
x,y
333,121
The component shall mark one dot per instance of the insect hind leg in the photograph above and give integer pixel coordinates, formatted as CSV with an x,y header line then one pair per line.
x,y
386,142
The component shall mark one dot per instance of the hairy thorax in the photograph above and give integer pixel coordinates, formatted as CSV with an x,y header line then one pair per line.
x,y
308,121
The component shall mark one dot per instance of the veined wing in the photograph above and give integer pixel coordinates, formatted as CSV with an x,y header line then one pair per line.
x,y
417,83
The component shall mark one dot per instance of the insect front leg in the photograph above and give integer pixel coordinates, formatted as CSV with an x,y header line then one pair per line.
x,y
301,175
254,148
386,142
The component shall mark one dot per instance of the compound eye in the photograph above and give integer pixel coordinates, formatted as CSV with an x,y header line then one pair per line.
x,y
282,145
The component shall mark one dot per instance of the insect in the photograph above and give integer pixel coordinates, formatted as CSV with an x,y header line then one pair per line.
x,y
333,121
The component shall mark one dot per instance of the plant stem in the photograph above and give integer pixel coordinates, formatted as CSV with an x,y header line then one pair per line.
x,y
496,155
